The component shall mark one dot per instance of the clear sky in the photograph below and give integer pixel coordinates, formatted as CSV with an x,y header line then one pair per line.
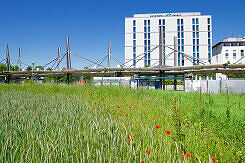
x,y
40,26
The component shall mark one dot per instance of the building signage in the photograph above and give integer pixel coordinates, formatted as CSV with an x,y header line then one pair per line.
x,y
164,15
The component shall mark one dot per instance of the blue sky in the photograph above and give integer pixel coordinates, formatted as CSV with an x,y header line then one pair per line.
x,y
40,26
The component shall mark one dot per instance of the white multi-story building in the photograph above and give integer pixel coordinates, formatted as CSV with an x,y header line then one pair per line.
x,y
230,50
187,33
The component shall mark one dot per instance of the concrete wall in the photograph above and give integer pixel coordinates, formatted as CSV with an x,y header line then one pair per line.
x,y
215,86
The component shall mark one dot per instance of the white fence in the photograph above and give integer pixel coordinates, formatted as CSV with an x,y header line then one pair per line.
x,y
215,86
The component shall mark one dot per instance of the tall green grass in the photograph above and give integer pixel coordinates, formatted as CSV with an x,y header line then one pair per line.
x,y
92,124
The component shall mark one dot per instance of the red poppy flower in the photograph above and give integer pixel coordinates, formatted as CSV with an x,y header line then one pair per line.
x,y
148,151
70,97
182,152
113,118
188,155
128,136
121,114
118,106
92,110
130,107
213,159
129,141
66,106
157,127
142,161
89,94
168,132
126,114
136,126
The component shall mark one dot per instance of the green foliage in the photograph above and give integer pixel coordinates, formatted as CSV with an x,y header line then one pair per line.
x,y
29,68
14,68
40,68
63,123
3,67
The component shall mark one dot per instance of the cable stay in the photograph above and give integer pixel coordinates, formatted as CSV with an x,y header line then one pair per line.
x,y
239,60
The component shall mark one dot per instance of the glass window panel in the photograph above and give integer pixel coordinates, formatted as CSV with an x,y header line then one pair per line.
x,y
178,21
178,34
163,22
149,42
149,35
197,41
197,48
149,22
134,36
149,29
227,44
160,22
134,23
194,34
197,27
145,22
182,41
197,21
149,62
193,28
182,21
194,48
234,44
134,29
134,42
197,34
182,28
194,42
193,21
208,20
134,49
144,29
182,34
178,28
145,35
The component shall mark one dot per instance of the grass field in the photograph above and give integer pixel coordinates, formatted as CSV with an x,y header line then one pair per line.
x,y
111,124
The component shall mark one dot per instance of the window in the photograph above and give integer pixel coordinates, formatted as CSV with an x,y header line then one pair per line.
x,y
149,55
163,35
234,54
208,20
145,35
149,42
182,21
145,62
163,22
193,27
144,29
194,42
194,48
149,35
182,34
182,41
197,21
178,28
160,21
197,48
178,48
182,28
178,41
197,41
149,22
134,62
241,44
145,42
227,44
163,28
209,48
182,48
208,27
134,49
193,21
197,34
134,22
209,41
194,35
242,53
209,34
145,49
145,56
178,34
197,27
149,62
178,21
134,29
194,55
233,44
134,36
226,54
149,49
134,42
145,22
149,29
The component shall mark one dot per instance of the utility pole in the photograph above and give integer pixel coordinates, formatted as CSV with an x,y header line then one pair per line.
x,y
109,55
175,51
19,59
160,46
8,59
68,60
58,59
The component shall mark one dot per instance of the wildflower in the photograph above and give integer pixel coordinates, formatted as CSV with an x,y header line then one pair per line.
x,y
142,161
136,126
70,97
168,132
182,152
126,104
118,106
148,151
126,114
121,114
188,155
92,110
89,94
129,140
162,118
157,127
130,107
213,159
113,118
66,106
128,136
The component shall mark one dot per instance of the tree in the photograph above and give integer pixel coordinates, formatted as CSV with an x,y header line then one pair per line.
x,y
29,68
49,69
3,67
14,68
39,67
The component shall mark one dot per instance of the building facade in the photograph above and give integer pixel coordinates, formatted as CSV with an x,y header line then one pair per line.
x,y
181,34
230,50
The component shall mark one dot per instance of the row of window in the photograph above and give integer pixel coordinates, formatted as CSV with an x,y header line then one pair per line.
x,y
234,44
234,54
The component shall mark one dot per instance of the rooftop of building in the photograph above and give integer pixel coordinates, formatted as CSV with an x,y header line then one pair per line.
x,y
231,40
